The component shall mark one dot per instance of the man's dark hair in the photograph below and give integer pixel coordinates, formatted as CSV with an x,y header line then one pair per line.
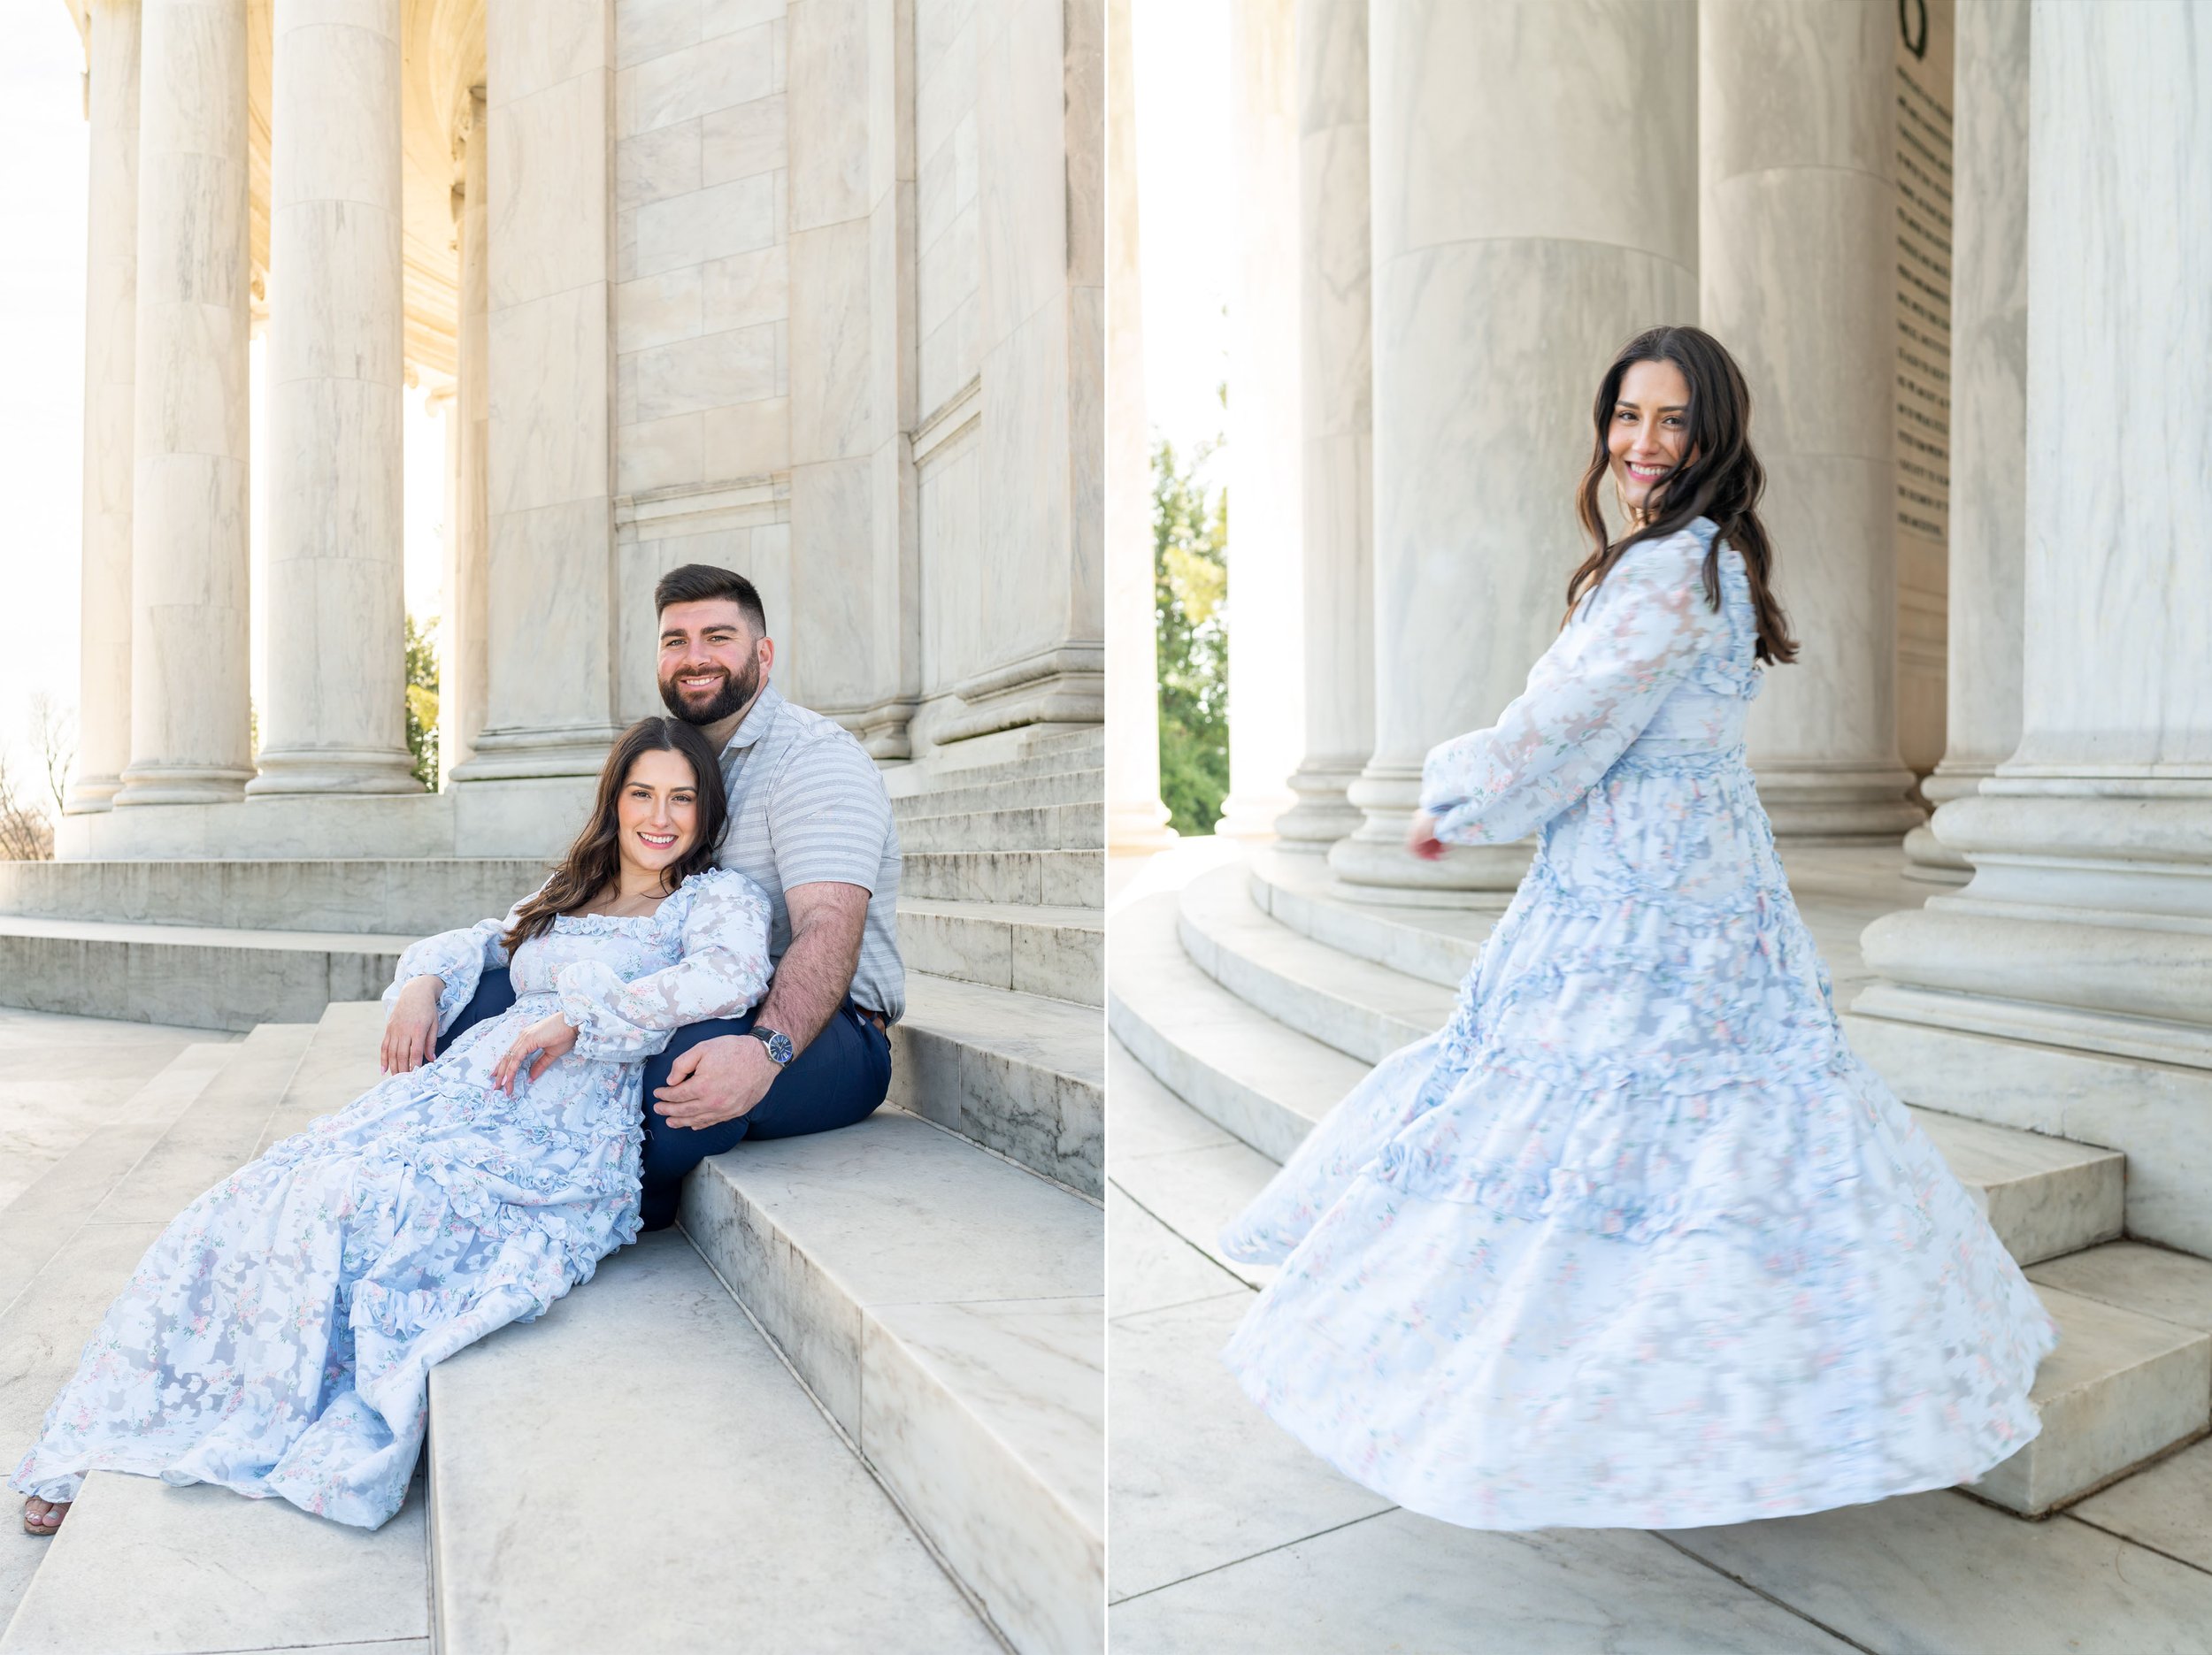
x,y
697,583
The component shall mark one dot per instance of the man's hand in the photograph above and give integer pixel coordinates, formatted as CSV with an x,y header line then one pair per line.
x,y
411,1032
717,1080
1421,838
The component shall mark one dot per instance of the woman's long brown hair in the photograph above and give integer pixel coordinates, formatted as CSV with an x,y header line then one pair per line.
x,y
593,862
1721,480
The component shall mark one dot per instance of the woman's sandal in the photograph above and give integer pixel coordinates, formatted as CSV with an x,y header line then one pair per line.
x,y
34,1523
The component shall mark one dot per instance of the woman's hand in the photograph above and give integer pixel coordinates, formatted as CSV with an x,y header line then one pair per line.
x,y
549,1038
1421,838
410,1033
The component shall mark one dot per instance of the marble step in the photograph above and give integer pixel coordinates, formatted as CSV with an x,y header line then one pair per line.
x,y
210,1571
1364,1010
698,1494
1060,787
201,976
1435,945
945,1306
1058,952
402,897
1044,827
1045,755
1269,1085
1066,878
1020,1073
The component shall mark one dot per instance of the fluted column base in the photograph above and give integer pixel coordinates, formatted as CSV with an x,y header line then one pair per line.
x,y
1374,856
88,795
1928,858
181,784
1139,828
1324,812
335,770
526,755
1838,802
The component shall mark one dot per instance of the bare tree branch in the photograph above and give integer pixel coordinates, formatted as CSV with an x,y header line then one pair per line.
x,y
54,736
25,833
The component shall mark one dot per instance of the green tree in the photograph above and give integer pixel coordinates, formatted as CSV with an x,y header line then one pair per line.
x,y
1190,540
422,699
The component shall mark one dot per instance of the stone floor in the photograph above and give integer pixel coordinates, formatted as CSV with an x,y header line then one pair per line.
x,y
1224,1534
60,1077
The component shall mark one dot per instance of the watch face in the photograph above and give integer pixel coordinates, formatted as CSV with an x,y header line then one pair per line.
x,y
778,1045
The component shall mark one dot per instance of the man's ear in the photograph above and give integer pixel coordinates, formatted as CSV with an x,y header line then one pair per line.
x,y
767,654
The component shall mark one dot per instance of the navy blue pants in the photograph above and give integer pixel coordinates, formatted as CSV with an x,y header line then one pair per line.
x,y
840,1078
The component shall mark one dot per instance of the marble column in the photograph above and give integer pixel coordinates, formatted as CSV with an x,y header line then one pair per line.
x,y
552,696
1798,259
2068,986
463,663
335,720
1989,353
1534,207
190,738
1136,818
103,696
1336,537
1266,681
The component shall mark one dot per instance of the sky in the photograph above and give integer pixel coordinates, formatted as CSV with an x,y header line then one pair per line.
x,y
1182,210
44,148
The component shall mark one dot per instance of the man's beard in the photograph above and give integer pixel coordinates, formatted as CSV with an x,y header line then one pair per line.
x,y
733,692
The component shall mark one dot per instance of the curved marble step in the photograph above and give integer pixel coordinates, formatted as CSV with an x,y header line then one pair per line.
x,y
945,1306
1021,1074
1029,948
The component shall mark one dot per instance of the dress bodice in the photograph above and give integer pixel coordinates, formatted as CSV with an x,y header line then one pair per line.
x,y
629,945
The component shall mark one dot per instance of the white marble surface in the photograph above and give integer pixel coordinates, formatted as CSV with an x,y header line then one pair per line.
x,y
1337,395
104,693
1797,248
1267,679
1989,347
189,563
2168,1508
465,613
333,717
1500,293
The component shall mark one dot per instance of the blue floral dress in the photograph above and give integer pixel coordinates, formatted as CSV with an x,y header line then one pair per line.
x,y
1634,1240
277,1337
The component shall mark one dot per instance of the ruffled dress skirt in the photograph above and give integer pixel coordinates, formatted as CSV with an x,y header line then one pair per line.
x,y
1635,1240
277,1339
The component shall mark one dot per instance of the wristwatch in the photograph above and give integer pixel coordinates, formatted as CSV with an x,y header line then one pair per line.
x,y
780,1051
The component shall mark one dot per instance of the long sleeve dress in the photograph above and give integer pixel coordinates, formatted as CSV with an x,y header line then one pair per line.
x,y
1635,1239
277,1339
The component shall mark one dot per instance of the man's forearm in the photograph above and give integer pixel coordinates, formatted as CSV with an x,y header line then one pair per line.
x,y
810,983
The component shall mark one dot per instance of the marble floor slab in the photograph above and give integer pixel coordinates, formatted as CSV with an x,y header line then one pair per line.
x,y
1149,1267
1397,1581
2169,1507
1943,1575
61,1078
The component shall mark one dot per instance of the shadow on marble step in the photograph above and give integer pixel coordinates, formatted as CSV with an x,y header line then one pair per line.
x,y
202,976
764,1527
1017,1073
1056,952
404,897
946,1308
209,1570
1364,1010
1061,879
1046,827
1024,792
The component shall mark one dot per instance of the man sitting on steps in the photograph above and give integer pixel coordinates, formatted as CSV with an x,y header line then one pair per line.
x,y
811,820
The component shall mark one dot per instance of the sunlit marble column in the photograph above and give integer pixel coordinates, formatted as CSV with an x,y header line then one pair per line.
x,y
1136,818
1989,361
463,665
1501,290
1337,535
1266,679
1798,255
335,720
2083,946
104,695
190,739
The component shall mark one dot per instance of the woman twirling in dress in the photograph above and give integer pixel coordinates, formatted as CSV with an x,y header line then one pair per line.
x,y
277,1337
1635,1239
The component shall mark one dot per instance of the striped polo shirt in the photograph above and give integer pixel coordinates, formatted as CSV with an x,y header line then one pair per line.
x,y
807,803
